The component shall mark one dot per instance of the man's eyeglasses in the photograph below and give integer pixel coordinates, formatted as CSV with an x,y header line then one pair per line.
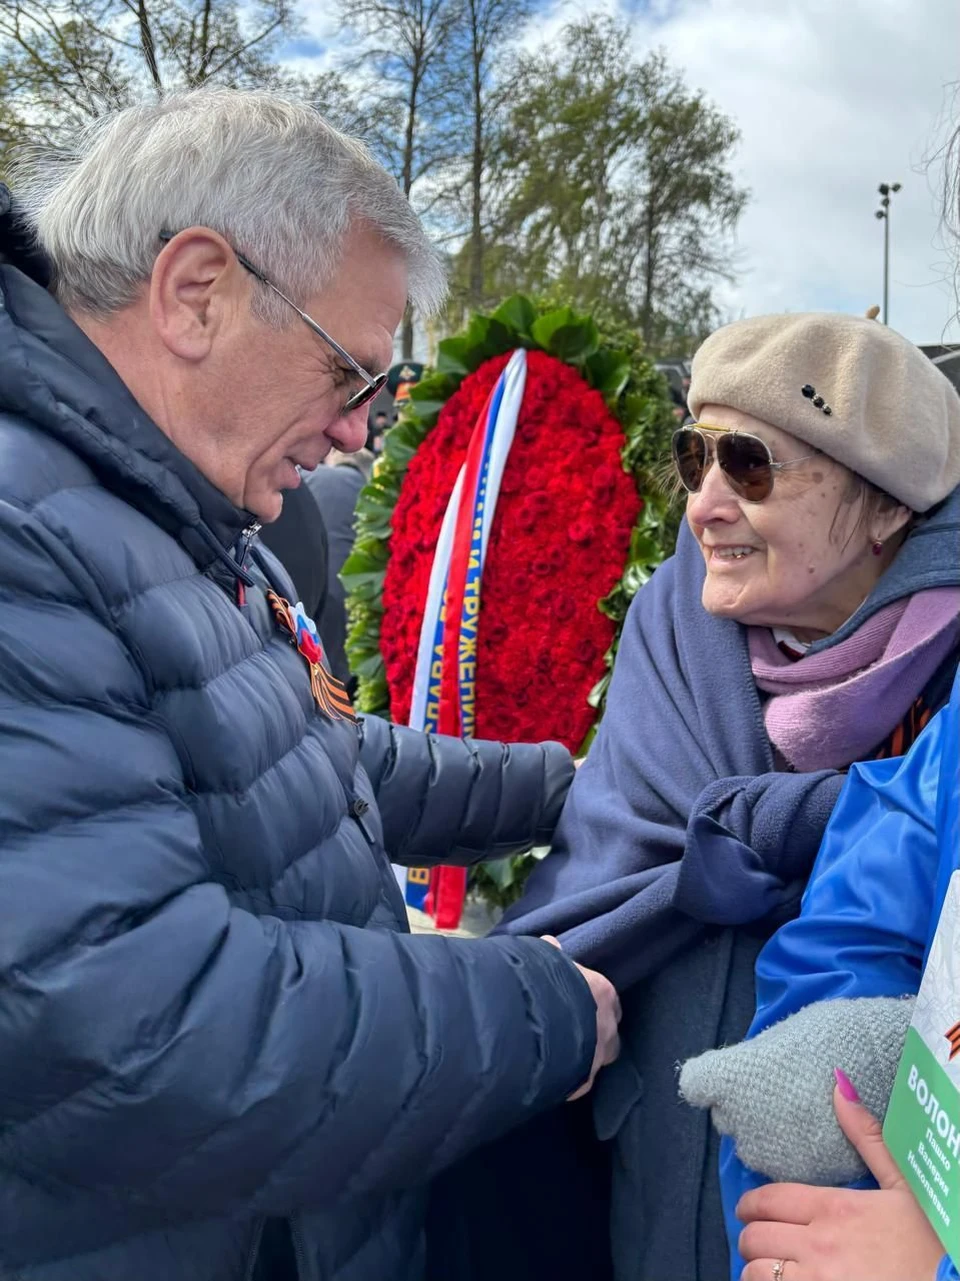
x,y
373,381
744,459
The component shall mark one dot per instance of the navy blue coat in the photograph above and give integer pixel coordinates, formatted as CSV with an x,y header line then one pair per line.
x,y
210,1009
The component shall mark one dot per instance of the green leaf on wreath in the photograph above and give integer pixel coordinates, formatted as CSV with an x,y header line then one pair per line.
x,y
609,371
368,667
635,405
428,410
500,338
397,452
485,337
545,326
476,338
564,334
643,547
634,578
501,872
595,697
614,604
439,386
366,587
452,355
361,561
517,313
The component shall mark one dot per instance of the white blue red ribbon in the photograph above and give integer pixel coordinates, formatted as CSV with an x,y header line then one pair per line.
x,y
496,427
450,629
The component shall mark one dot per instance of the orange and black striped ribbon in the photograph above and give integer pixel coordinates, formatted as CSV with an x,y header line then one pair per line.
x,y
953,1036
329,694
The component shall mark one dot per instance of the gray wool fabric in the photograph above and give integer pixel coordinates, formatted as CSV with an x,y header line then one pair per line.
x,y
774,1094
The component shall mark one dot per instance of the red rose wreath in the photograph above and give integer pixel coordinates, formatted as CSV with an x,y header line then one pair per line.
x,y
571,541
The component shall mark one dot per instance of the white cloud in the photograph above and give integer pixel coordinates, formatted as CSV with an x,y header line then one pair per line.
x,y
832,97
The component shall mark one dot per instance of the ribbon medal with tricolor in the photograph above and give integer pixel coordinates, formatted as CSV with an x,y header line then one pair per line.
x,y
329,694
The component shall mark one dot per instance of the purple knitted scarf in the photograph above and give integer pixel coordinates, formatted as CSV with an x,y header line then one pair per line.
x,y
834,707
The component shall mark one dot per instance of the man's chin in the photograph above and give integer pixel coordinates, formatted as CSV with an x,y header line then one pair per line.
x,y
268,508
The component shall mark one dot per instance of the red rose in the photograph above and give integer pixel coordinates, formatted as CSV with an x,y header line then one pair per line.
x,y
541,638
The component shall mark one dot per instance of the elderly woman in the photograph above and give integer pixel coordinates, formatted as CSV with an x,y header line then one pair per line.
x,y
808,620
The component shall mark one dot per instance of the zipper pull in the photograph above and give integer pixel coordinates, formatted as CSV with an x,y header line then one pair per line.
x,y
248,534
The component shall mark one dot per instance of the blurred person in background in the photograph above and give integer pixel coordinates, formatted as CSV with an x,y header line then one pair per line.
x,y
378,427
300,541
335,488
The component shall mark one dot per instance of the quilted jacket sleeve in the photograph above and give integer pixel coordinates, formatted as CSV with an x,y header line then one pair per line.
x,y
166,1053
462,800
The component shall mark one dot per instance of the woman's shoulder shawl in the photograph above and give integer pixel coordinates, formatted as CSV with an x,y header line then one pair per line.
x,y
682,738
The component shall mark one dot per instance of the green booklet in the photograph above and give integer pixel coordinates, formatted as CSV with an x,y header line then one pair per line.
x,y
922,1127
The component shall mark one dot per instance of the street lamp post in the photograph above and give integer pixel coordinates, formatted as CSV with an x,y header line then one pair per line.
x,y
886,189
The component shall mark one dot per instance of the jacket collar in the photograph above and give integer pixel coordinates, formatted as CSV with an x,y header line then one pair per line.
x,y
53,375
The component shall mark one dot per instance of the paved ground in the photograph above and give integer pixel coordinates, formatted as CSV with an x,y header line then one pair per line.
x,y
477,920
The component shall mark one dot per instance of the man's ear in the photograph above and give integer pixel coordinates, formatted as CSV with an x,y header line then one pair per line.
x,y
197,289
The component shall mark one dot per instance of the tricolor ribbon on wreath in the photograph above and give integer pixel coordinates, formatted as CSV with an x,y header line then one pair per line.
x,y
451,619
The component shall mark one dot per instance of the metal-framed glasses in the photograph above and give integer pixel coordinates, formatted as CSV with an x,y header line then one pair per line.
x,y
744,459
372,382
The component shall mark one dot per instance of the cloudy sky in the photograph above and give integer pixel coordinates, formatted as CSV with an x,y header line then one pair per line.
x,y
832,97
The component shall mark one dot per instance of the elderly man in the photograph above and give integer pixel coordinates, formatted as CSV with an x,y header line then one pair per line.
x,y
215,1030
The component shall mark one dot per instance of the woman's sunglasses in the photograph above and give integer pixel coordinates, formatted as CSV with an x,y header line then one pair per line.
x,y
745,460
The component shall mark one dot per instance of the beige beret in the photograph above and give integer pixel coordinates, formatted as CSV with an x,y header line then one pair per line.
x,y
846,385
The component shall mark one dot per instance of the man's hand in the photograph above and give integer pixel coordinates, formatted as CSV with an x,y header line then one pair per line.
x,y
608,1021
841,1234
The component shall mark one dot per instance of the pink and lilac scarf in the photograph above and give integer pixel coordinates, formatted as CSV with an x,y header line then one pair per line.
x,y
834,707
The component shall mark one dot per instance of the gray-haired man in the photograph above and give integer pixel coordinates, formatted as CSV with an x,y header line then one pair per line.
x,y
212,1018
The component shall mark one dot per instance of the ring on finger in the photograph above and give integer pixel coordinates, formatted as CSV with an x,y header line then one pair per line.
x,y
778,1267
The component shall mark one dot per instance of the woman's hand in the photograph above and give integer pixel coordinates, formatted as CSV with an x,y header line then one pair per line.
x,y
839,1234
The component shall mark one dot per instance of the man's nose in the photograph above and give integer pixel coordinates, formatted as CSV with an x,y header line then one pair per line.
x,y
350,431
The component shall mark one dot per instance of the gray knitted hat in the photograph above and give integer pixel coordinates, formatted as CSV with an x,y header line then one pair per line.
x,y
843,384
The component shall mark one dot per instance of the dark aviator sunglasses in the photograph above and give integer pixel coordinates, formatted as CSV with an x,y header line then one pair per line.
x,y
745,460
373,382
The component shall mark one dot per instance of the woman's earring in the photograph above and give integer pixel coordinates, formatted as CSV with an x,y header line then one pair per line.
x,y
876,547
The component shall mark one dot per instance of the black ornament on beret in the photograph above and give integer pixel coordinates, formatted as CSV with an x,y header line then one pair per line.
x,y
810,392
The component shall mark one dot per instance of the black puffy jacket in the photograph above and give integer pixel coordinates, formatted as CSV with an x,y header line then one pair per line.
x,y
210,1009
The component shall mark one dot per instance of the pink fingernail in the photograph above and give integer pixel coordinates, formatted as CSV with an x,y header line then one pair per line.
x,y
846,1086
